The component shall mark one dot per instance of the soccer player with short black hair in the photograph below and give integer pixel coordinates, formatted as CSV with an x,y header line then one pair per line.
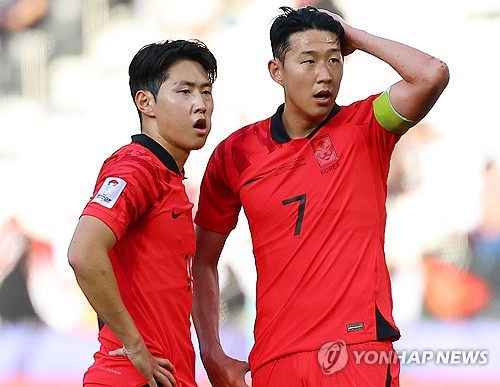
x,y
312,180
133,247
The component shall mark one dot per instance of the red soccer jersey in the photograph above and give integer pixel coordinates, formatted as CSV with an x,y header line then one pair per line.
x,y
140,195
316,211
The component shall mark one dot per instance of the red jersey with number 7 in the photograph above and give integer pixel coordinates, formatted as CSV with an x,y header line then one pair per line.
x,y
316,212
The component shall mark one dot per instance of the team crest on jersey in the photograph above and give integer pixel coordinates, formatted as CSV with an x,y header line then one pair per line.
x,y
324,151
110,191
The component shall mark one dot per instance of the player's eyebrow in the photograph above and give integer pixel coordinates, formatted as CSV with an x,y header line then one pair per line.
x,y
192,84
311,52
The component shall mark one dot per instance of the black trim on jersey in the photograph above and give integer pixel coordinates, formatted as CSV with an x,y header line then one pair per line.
x,y
278,132
388,377
159,151
384,329
100,323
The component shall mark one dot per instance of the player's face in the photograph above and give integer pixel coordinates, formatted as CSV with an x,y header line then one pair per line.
x,y
311,74
184,107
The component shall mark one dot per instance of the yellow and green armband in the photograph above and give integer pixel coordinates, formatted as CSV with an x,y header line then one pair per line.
x,y
388,117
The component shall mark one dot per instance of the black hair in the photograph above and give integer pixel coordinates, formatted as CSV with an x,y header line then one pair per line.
x,y
302,19
149,67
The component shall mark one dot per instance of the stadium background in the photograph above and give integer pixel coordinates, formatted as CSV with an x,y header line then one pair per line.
x,y
65,106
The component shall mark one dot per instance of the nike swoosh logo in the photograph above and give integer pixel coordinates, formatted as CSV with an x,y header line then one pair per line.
x,y
175,215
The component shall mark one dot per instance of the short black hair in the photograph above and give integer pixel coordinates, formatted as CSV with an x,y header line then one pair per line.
x,y
302,19
149,67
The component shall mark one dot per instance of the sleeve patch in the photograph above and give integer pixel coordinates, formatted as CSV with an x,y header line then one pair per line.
x,y
110,191
388,117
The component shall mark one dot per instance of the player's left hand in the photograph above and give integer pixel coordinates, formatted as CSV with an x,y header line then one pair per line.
x,y
152,368
348,32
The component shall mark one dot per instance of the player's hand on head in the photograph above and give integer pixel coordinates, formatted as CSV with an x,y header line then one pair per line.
x,y
224,371
152,368
332,14
348,32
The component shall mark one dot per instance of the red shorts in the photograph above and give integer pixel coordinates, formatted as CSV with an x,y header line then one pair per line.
x,y
372,364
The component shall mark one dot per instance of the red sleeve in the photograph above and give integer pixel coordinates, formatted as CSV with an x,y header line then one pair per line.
x,y
219,205
379,137
135,190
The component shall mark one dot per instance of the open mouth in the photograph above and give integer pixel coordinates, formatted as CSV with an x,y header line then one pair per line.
x,y
323,94
201,124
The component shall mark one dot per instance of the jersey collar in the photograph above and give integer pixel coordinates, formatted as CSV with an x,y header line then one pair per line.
x,y
159,151
278,132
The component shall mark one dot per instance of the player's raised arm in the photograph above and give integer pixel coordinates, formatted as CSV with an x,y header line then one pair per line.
x,y
424,77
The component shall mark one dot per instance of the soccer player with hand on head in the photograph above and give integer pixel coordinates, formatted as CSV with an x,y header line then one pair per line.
x,y
133,247
312,180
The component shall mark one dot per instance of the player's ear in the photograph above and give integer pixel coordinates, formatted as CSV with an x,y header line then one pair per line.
x,y
145,102
274,66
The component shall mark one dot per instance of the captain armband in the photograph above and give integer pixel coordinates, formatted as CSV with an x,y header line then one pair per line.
x,y
388,117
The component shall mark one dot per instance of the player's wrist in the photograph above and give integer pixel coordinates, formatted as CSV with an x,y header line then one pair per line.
x,y
212,354
134,345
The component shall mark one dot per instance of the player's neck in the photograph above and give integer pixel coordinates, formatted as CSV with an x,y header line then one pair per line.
x,y
296,126
179,154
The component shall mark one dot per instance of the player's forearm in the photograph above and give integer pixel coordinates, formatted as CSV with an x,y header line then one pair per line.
x,y
413,65
98,283
206,307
